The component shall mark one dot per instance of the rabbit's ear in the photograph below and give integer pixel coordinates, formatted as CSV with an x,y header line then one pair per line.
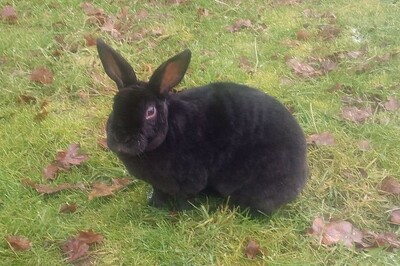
x,y
116,67
170,73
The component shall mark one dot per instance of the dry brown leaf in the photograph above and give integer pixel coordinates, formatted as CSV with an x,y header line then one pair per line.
x,y
303,69
240,24
28,183
387,240
141,14
19,243
395,217
202,12
42,75
329,32
245,64
102,190
303,35
122,182
90,40
252,249
391,185
355,114
26,99
392,104
68,208
364,145
66,159
177,2
51,189
50,172
90,237
75,249
9,14
336,232
325,138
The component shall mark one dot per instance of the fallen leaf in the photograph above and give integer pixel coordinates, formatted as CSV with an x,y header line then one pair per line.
x,y
328,65
364,145
252,249
240,24
324,138
395,217
18,242
42,75
392,104
26,99
303,35
177,2
245,64
303,69
66,159
75,249
68,208
141,14
51,189
375,240
51,171
329,32
202,12
355,114
9,14
90,237
335,232
286,2
89,40
28,183
122,182
102,190
41,115
390,185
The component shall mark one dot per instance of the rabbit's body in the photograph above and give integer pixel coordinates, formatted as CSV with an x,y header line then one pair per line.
x,y
227,138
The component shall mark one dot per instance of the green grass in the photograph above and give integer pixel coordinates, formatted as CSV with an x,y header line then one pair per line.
x,y
136,234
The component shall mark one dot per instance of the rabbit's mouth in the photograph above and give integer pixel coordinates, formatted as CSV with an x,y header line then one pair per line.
x,y
132,145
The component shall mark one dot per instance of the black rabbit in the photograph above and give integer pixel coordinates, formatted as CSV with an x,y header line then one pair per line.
x,y
224,138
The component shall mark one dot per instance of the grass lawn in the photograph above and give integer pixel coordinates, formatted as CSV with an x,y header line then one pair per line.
x,y
335,64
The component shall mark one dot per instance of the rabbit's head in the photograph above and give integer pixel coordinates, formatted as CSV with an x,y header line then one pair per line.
x,y
139,119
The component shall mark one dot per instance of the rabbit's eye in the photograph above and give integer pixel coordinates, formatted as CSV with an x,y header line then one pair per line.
x,y
150,112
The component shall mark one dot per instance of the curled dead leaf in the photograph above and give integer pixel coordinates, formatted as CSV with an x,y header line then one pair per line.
x,y
18,243
302,69
324,138
395,217
240,24
101,189
392,104
364,145
42,75
74,249
9,14
27,99
391,185
51,189
72,156
252,249
90,237
335,232
50,172
68,208
355,114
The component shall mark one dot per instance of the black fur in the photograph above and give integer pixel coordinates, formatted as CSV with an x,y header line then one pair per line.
x,y
226,138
